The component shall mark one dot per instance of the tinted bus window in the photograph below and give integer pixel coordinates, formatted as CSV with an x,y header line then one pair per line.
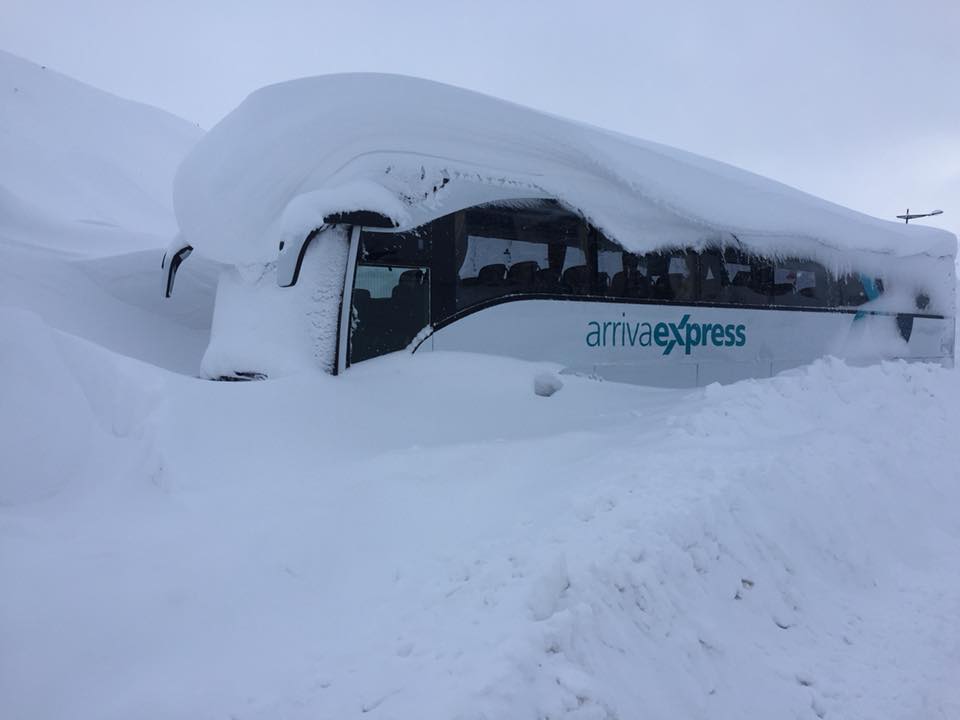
x,y
672,275
801,283
509,250
406,248
729,276
714,276
854,290
628,275
391,291
390,306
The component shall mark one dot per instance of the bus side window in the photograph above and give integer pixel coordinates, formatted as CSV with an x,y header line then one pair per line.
x,y
672,274
410,248
621,274
749,278
714,280
390,306
520,250
801,283
851,291
628,275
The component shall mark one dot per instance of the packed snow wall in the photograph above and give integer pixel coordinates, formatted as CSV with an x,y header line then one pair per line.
x,y
262,329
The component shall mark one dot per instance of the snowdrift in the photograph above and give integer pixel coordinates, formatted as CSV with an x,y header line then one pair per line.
x,y
426,537
85,201
338,142
74,155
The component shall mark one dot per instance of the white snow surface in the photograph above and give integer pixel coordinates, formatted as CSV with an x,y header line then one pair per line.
x,y
310,138
85,206
260,328
72,155
426,537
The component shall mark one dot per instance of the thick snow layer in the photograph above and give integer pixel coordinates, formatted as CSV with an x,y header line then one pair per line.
x,y
309,138
259,328
427,537
114,300
71,154
85,202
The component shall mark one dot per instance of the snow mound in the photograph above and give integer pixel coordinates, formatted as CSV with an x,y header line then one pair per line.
x,y
425,537
289,141
85,202
64,401
115,301
72,154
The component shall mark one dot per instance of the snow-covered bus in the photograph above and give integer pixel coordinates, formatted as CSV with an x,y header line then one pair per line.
x,y
409,216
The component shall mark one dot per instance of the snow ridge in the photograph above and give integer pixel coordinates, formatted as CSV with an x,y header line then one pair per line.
x,y
72,154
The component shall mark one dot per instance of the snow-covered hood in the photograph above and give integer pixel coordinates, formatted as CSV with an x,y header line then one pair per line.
x,y
293,152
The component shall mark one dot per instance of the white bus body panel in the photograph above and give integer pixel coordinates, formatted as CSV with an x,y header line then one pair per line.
x,y
654,345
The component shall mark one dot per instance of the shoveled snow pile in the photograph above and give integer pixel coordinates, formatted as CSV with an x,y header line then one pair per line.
x,y
427,537
81,169
306,142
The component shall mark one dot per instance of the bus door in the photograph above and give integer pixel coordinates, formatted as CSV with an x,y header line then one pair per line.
x,y
391,304
390,300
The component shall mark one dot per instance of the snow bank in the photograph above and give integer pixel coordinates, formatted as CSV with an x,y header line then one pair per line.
x,y
113,300
64,403
234,192
85,200
72,154
425,537
44,443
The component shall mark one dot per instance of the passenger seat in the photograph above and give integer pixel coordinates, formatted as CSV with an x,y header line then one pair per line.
x,y
576,280
523,274
492,274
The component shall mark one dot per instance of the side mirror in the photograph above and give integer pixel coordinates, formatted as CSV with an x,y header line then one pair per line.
x,y
291,258
177,256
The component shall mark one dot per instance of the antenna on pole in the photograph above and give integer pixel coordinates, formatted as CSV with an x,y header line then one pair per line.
x,y
907,217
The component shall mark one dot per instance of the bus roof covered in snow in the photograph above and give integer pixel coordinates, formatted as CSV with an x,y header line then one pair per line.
x,y
298,151
425,217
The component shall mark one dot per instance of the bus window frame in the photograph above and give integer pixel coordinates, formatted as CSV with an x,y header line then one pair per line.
x,y
346,302
443,273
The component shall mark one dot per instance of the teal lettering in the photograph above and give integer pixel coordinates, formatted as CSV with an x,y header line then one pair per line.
x,y
717,335
666,335
661,333
692,340
647,333
595,334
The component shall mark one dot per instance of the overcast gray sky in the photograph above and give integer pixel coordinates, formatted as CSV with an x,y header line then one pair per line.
x,y
856,101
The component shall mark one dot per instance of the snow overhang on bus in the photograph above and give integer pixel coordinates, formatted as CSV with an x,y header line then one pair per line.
x,y
422,228
290,253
